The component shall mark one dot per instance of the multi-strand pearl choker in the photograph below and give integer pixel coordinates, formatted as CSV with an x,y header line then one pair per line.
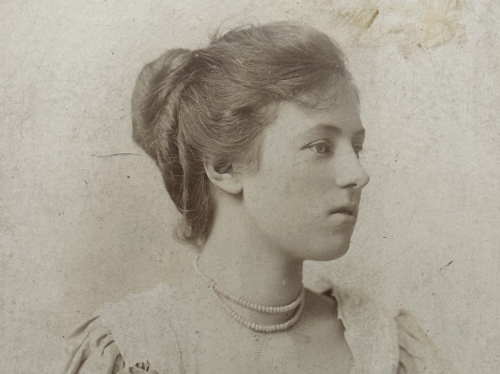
x,y
221,295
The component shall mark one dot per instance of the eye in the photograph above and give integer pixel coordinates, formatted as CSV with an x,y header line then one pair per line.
x,y
320,147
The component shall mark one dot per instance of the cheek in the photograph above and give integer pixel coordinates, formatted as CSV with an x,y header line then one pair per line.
x,y
306,181
291,208
292,193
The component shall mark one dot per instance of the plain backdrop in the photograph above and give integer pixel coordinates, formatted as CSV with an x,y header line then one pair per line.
x,y
84,217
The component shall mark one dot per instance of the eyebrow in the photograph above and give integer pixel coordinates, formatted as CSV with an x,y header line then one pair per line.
x,y
332,127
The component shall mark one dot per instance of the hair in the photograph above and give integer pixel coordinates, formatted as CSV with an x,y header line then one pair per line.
x,y
213,103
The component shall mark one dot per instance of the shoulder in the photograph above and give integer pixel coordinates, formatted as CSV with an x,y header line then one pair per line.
x,y
142,325
160,296
136,331
91,348
385,340
370,330
418,352
354,305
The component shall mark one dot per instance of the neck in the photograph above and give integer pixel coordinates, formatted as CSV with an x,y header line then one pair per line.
x,y
243,263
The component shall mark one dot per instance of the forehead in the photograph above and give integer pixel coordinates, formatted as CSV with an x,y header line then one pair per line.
x,y
341,116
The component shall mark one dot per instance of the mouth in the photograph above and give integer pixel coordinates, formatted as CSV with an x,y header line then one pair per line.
x,y
348,210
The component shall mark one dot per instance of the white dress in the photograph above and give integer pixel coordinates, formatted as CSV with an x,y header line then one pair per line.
x,y
146,333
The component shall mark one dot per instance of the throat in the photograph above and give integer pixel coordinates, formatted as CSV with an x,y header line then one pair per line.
x,y
253,315
244,263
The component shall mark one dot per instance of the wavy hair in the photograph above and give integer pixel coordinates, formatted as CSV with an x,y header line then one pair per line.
x,y
212,103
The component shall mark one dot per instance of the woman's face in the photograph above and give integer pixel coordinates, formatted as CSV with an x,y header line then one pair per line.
x,y
305,196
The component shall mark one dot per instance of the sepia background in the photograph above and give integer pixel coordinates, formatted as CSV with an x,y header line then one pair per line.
x,y
84,217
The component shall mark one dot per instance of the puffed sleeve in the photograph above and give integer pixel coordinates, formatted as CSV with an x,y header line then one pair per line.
x,y
93,350
417,352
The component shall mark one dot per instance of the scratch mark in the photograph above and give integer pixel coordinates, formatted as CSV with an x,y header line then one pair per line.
x,y
411,218
445,266
23,121
372,19
119,154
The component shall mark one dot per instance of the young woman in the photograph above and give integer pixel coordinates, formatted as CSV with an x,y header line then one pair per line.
x,y
257,137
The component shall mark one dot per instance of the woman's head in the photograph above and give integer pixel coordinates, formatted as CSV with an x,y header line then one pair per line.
x,y
213,104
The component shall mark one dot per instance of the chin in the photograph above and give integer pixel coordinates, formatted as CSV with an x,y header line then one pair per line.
x,y
329,253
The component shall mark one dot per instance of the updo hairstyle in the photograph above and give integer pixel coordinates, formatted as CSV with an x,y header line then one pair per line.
x,y
212,104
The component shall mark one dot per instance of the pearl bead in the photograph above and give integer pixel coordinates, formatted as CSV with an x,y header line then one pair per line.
x,y
297,304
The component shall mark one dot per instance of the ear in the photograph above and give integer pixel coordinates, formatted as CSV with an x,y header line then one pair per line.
x,y
224,177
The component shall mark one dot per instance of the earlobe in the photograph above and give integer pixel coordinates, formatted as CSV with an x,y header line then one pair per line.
x,y
224,177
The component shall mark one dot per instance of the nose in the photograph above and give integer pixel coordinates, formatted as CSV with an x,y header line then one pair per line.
x,y
349,173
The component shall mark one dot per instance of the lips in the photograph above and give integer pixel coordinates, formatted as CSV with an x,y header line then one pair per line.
x,y
347,209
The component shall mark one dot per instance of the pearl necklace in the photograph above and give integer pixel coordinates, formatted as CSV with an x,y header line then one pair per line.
x,y
219,294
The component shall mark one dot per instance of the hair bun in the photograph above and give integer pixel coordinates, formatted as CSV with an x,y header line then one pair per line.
x,y
153,94
213,104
